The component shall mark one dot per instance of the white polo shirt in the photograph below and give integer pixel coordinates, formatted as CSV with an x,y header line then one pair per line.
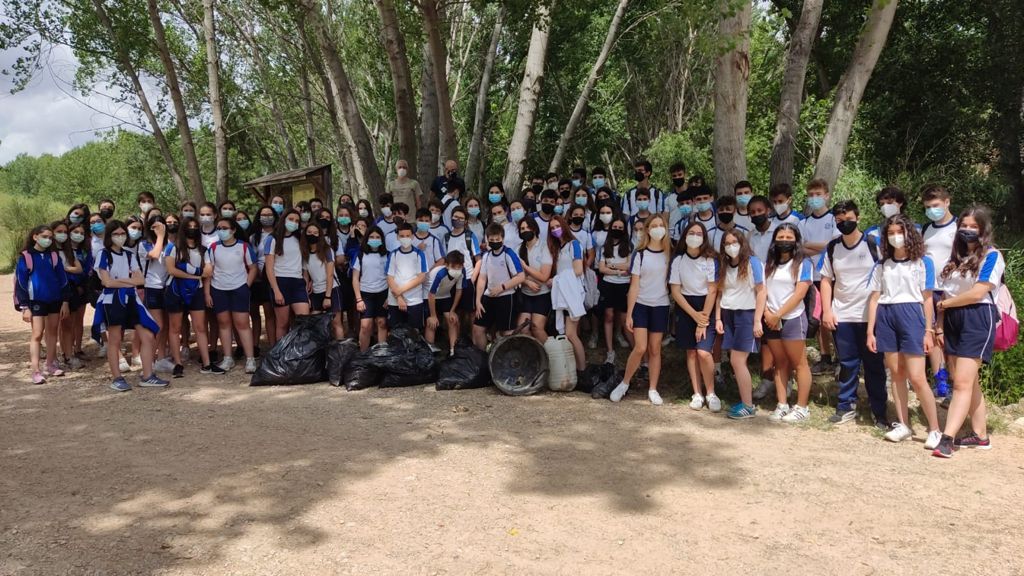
x,y
902,281
850,270
693,275
652,267
403,267
738,293
781,284
938,245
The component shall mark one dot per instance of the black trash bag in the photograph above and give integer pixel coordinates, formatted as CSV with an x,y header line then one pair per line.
x,y
405,360
466,369
593,374
300,357
339,354
361,373
606,379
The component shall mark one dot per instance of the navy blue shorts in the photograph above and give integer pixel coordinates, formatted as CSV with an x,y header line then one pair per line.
x,y
293,290
154,298
76,297
376,304
174,304
236,300
316,301
539,304
442,306
125,315
612,296
970,331
260,292
40,308
499,313
686,327
348,295
651,318
739,331
412,317
900,328
468,301
793,329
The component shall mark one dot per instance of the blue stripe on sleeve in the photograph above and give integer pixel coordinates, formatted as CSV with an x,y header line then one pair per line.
x,y
805,270
266,245
988,267
577,252
929,273
423,259
475,241
758,269
387,264
437,281
515,260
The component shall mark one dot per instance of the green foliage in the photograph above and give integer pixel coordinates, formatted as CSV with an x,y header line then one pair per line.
x,y
18,215
1003,380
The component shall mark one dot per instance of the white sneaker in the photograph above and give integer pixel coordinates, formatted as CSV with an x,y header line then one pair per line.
x,y
933,440
592,341
75,363
621,340
136,362
164,365
766,387
899,433
250,365
654,397
609,357
779,413
797,414
227,364
714,404
102,352
667,340
123,366
619,392
696,402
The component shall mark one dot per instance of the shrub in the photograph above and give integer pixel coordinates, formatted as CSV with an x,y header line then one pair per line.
x,y
18,216
1003,380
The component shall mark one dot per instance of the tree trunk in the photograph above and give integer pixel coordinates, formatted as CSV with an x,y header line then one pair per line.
x,y
307,116
401,80
529,94
344,147
195,179
473,164
367,170
438,58
791,100
595,72
129,70
731,74
851,88
220,136
429,140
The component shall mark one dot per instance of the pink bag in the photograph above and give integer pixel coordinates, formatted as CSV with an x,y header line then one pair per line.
x,y
1008,328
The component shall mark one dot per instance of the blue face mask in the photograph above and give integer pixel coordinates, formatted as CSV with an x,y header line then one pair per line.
x,y
744,199
75,219
98,228
291,226
518,214
599,182
344,220
559,209
474,212
581,200
373,243
494,198
685,209
134,233
935,213
643,204
577,183
703,206
224,235
816,203
423,226
279,208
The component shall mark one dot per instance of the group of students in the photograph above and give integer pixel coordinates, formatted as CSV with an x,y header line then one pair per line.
x,y
640,268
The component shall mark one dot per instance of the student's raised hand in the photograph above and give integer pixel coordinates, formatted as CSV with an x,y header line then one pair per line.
x,y
719,327
872,344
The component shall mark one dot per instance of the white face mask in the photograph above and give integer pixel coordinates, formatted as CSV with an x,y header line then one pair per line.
x,y
732,250
145,207
605,218
657,233
499,219
402,172
781,208
890,210
693,240
363,212
386,211
897,240
435,217
552,186
455,275
405,242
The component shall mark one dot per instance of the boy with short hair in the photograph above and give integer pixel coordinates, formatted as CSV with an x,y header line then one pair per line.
x,y
426,242
781,196
643,210
399,211
437,226
726,217
703,208
817,230
447,286
744,191
500,273
386,221
642,176
406,269
674,196
451,200
760,235
939,233
890,201
545,212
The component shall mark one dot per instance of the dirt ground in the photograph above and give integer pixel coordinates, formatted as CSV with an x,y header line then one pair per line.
x,y
211,476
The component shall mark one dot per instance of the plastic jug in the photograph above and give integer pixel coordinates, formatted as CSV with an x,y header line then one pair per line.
x,y
561,364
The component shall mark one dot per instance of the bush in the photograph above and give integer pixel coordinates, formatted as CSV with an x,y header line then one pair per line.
x,y
18,217
1003,380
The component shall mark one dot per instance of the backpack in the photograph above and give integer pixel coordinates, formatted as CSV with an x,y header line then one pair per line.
x,y
1008,328
29,263
469,242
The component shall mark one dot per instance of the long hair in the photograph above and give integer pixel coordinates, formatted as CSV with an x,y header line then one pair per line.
x,y
524,251
382,250
111,227
279,231
742,259
666,243
30,243
913,241
321,245
129,243
624,245
181,246
706,250
65,249
962,259
774,255
598,225
567,235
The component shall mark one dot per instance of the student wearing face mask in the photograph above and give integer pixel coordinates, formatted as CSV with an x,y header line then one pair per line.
x,y
537,257
546,211
425,241
599,232
97,229
261,294
677,172
450,201
78,214
228,290
581,198
151,250
441,186
817,229
939,234
655,198
106,209
567,288
146,202
739,312
900,322
40,284
744,192
681,214
476,217
462,240
643,210
448,285
406,273
579,180
284,254
207,224
399,213
370,284
781,196
437,227
365,210
726,216
613,264
890,201
529,197
278,204
188,266
517,211
78,240
499,215
318,268
703,206
693,285
386,221
226,209
501,273
495,194
405,189
760,235
551,181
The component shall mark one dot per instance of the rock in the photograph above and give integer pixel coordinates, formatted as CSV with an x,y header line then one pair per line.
x,y
1018,423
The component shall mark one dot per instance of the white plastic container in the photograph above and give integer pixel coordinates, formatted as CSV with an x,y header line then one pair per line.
x,y
561,364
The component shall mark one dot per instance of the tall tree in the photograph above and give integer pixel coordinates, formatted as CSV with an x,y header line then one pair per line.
x,y
401,82
851,87
220,136
480,112
438,53
195,179
588,87
529,94
429,138
732,72
791,99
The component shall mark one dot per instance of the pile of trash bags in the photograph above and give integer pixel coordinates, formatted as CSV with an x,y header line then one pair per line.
x,y
404,360
465,369
599,380
300,357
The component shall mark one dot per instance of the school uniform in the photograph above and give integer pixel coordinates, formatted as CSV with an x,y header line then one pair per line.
x,y
316,269
387,227
512,239
938,245
710,222
229,286
500,268
208,238
543,225
443,287
476,227
78,282
155,273
598,239
343,271
449,205
742,220
650,311
761,242
819,229
692,275
780,285
716,233
260,289
899,319
656,199
469,244
969,331
403,266
40,290
614,289
373,283
849,269
567,289
631,223
739,304
537,301
120,307
184,294
288,269
672,207
793,218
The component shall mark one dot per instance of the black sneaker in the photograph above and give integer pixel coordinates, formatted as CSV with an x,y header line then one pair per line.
x,y
945,448
882,424
212,369
842,417
973,441
178,371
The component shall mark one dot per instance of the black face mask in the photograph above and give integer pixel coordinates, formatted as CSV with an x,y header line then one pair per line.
x,y
616,234
577,221
548,209
968,236
785,247
602,202
311,240
564,194
725,217
192,233
678,182
495,246
106,213
172,228
527,235
529,204
759,220
846,226
639,176
453,175
537,188
324,224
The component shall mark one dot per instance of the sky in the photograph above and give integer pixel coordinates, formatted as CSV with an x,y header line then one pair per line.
x,y
49,115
